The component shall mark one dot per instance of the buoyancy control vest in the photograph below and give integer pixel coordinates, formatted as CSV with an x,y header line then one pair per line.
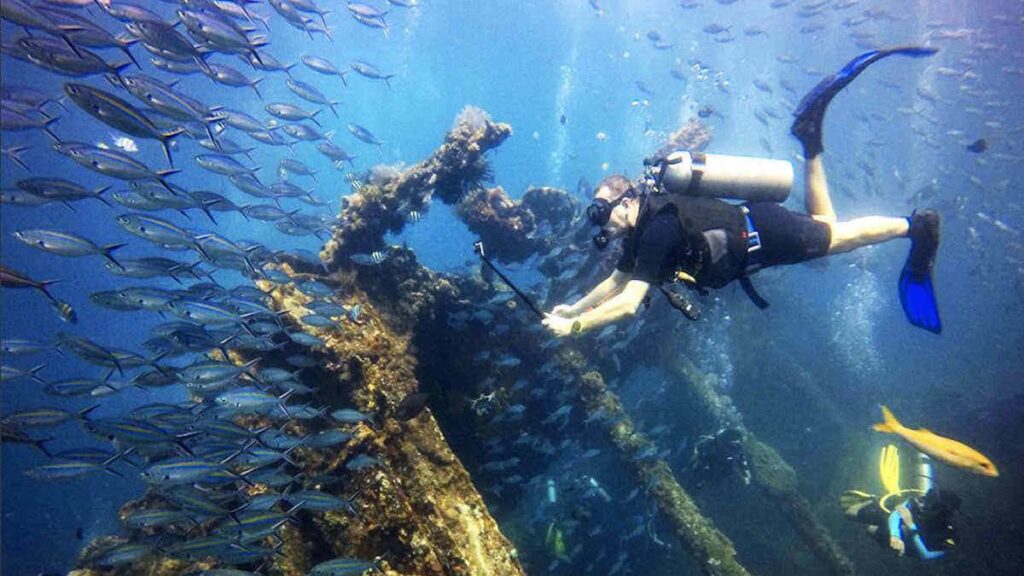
x,y
714,236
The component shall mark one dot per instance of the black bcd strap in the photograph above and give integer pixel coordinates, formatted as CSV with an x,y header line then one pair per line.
x,y
751,292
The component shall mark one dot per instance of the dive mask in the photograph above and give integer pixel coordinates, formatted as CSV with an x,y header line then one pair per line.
x,y
600,211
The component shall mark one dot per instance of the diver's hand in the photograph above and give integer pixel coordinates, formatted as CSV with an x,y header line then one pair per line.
x,y
563,311
904,512
896,544
558,326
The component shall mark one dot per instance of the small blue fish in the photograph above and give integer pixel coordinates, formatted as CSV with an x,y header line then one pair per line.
x,y
315,289
361,462
329,309
317,321
349,416
342,567
306,339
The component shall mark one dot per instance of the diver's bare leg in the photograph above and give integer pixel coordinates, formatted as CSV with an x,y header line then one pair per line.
x,y
856,233
865,231
819,203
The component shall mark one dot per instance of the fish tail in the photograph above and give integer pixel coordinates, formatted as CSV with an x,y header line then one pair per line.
x,y
41,445
34,374
84,413
44,285
889,422
46,127
128,53
164,142
119,68
206,210
203,65
15,154
98,194
71,44
108,251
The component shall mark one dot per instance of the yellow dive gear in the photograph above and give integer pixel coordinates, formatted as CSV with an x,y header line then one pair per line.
x,y
889,468
685,277
902,494
555,542
855,498
889,472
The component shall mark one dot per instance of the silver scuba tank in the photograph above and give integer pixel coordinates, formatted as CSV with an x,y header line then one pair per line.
x,y
924,472
722,176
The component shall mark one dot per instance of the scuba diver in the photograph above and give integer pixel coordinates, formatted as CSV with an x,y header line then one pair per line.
x,y
919,519
718,456
675,227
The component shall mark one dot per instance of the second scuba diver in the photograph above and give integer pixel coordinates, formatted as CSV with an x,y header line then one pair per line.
x,y
673,230
920,520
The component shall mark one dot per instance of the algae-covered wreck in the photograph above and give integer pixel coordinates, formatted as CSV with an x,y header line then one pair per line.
x,y
428,377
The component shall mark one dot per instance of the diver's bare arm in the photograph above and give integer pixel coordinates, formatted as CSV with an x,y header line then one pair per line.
x,y
625,303
609,286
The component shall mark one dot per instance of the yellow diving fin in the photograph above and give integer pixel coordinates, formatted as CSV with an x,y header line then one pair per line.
x,y
851,498
549,538
889,468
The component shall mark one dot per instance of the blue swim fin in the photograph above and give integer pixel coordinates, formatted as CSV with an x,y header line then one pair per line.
x,y
917,293
810,113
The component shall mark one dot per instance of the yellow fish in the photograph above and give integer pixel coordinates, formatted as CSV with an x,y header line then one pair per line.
x,y
945,449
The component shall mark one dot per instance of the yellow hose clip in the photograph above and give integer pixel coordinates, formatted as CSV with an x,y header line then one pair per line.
x,y
684,277
905,494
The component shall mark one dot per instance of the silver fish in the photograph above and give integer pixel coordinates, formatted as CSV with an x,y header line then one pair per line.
x,y
323,66
228,76
65,244
291,112
311,93
112,163
368,70
119,114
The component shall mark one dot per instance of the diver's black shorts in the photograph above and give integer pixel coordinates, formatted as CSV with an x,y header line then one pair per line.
x,y
787,237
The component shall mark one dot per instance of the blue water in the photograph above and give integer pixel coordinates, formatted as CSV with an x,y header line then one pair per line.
x,y
902,127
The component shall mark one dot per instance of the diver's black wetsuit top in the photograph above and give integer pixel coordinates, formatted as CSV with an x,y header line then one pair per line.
x,y
654,256
659,246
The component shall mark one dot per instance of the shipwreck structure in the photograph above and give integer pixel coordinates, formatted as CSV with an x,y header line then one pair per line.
x,y
423,509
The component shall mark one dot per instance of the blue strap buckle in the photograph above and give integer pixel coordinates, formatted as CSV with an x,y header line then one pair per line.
x,y
753,237
753,241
